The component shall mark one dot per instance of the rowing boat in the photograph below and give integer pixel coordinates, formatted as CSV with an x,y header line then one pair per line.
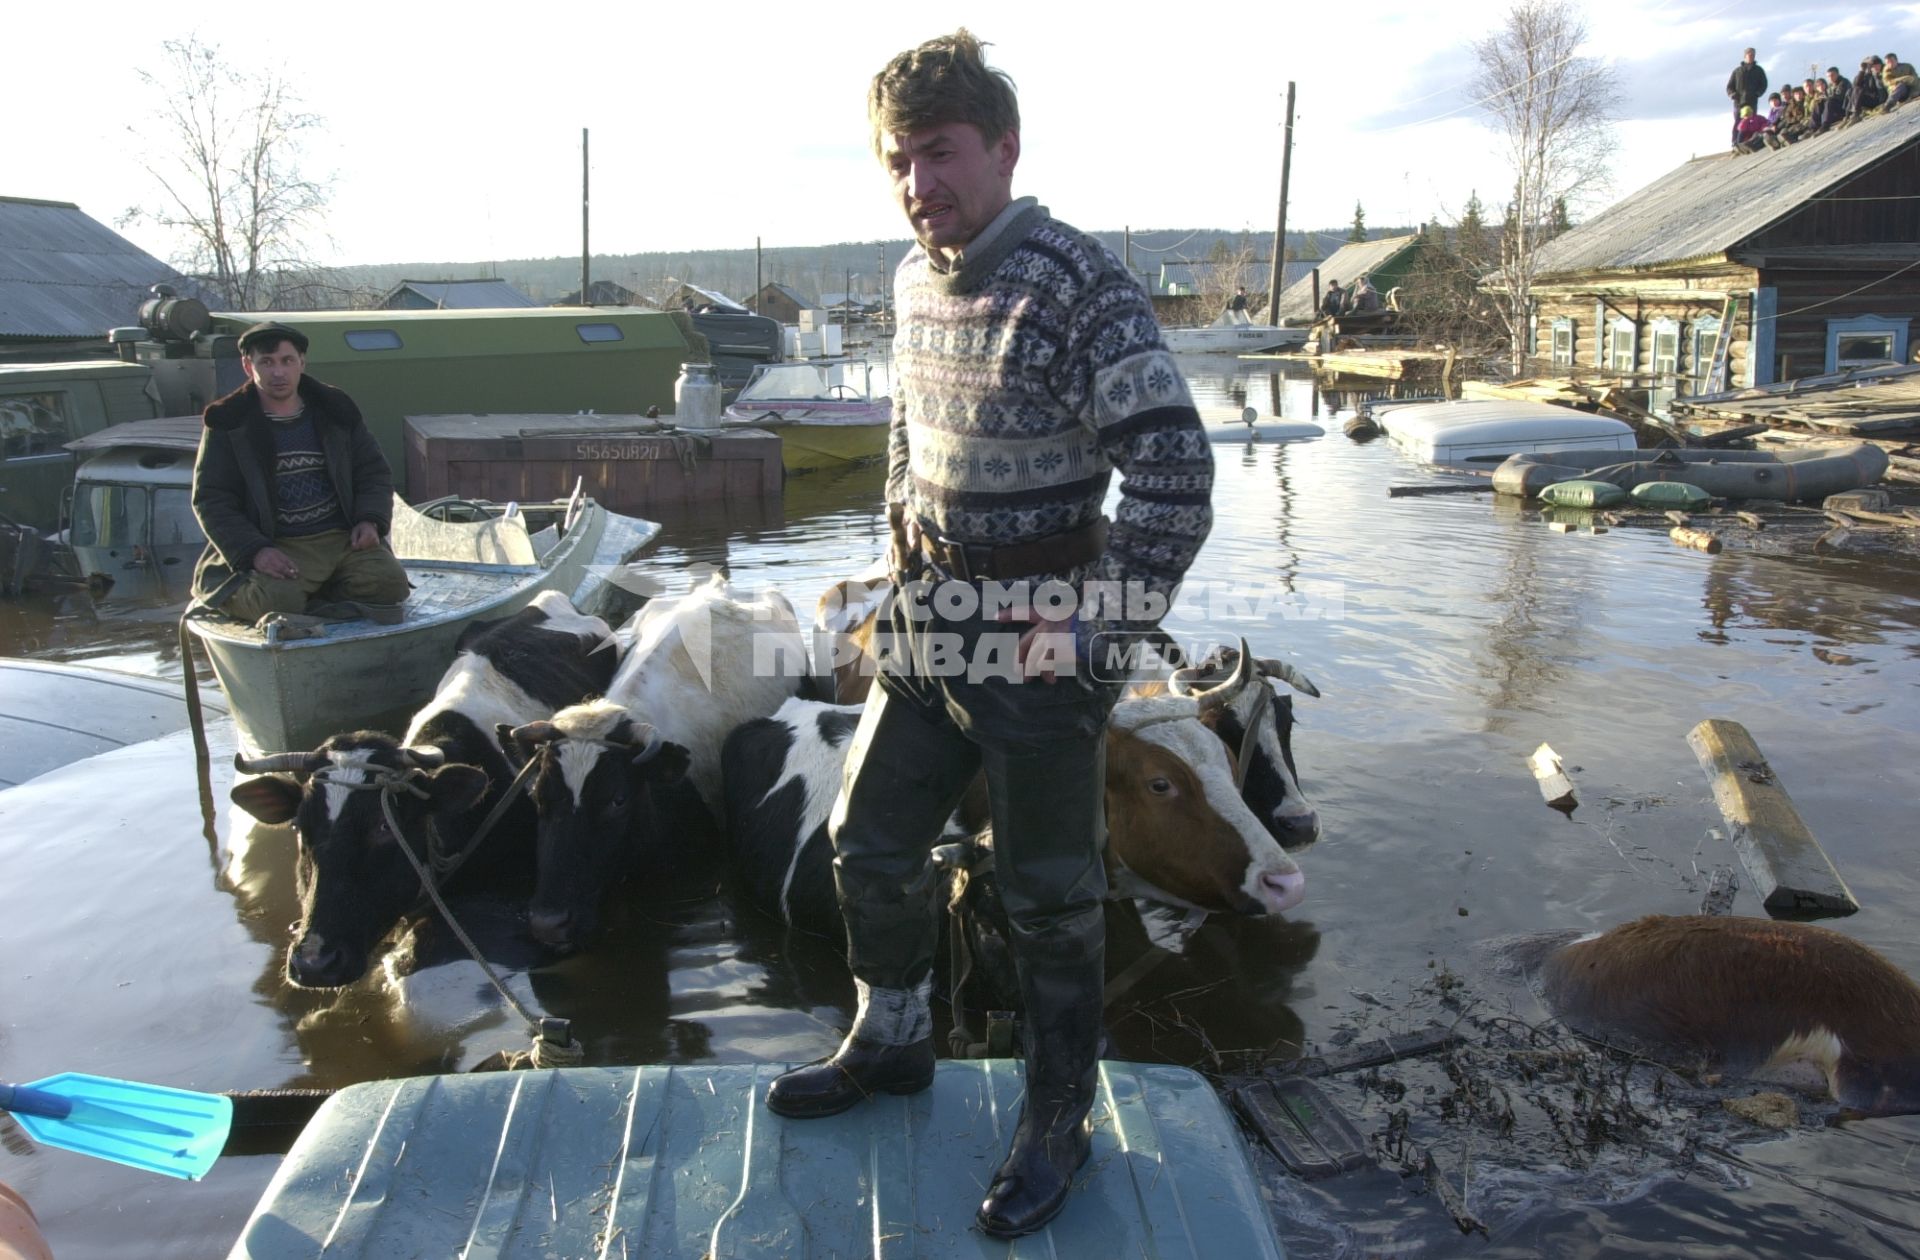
x,y
291,686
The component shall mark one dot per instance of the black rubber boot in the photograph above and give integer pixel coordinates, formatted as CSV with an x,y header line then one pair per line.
x,y
1054,1135
854,1073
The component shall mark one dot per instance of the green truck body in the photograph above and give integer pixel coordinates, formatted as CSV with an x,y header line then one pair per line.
x,y
397,364
43,406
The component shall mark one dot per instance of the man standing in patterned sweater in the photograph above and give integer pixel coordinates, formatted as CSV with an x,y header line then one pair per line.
x,y
1030,366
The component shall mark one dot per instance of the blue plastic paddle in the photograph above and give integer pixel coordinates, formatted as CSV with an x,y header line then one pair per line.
x,y
156,1127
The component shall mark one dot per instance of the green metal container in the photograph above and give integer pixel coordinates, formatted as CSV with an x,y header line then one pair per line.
x,y
397,364
688,1162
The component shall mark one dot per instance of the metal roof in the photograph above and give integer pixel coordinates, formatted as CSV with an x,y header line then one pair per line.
x,y
1347,265
687,1161
462,295
66,275
1711,204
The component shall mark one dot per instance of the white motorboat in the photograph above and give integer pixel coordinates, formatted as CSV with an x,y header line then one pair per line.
x,y
1225,336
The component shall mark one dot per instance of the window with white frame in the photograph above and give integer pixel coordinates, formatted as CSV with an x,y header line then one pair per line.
x,y
1624,351
1563,342
1666,348
1864,341
1706,335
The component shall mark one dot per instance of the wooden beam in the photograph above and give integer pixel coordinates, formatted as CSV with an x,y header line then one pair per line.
x,y
1789,869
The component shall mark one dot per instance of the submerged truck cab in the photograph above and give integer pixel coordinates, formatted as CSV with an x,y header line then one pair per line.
x,y
46,406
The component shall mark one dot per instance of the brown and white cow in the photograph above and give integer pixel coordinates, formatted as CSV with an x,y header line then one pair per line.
x,y
1748,997
1178,830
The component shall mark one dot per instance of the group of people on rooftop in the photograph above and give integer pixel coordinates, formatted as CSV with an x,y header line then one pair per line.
x,y
1815,106
1358,299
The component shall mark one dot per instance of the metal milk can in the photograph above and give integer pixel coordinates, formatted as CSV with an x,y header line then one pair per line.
x,y
696,397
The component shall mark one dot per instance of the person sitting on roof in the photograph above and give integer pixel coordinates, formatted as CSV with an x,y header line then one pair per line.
x,y
1751,132
1793,120
1869,91
1838,94
1816,90
1900,80
1366,299
1334,303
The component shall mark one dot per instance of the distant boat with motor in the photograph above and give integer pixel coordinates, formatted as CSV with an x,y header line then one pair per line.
x,y
823,420
1487,432
1230,336
292,685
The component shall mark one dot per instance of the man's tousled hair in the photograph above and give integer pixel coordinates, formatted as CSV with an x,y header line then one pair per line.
x,y
944,80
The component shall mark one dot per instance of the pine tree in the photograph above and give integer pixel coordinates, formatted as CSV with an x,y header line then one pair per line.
x,y
1560,222
1359,233
1472,235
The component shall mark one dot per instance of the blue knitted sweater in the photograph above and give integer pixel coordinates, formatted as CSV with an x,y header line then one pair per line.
x,y
1023,379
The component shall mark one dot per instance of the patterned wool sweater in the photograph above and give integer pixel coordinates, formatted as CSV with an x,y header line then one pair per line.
x,y
1022,380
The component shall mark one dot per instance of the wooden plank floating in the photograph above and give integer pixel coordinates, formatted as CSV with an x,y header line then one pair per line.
x,y
1375,1052
1789,869
1555,787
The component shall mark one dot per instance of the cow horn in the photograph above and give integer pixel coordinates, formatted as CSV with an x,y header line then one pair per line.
x,y
645,742
536,733
423,758
1222,693
1289,675
280,763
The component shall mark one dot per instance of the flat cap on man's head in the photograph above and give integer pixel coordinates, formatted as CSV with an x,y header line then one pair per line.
x,y
271,333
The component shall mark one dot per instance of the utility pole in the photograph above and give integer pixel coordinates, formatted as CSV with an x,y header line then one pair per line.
x,y
757,283
1279,271
586,295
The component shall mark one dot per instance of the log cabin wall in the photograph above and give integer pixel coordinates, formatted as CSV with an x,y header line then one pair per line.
x,y
1595,305
1844,270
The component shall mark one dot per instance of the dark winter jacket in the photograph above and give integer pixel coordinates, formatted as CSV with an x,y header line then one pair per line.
x,y
1747,84
233,473
1868,92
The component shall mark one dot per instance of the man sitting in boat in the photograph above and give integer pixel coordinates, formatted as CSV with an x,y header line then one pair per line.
x,y
1237,306
293,493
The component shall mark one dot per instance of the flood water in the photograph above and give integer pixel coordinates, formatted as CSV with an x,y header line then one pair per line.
x,y
1449,636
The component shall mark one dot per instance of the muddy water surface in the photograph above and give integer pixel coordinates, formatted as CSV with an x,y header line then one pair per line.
x,y
1449,636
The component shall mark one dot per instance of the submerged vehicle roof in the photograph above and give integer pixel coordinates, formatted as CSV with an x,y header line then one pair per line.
x,y
339,336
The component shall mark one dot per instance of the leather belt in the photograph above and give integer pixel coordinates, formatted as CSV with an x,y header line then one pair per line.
x,y
1055,553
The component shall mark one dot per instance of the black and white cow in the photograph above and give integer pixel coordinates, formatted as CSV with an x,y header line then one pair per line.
x,y
1179,829
448,772
700,664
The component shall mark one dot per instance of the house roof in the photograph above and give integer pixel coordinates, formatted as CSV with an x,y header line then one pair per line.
x,y
1348,264
708,297
1709,205
604,293
463,295
774,286
66,275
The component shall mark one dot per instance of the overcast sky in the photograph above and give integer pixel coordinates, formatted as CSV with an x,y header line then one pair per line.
x,y
452,132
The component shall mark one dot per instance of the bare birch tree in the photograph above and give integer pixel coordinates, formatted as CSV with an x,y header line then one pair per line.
x,y
1552,107
225,146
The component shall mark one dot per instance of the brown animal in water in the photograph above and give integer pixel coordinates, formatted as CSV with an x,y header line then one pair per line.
x,y
1743,995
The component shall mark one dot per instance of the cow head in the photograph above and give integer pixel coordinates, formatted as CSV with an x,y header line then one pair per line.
x,y
354,882
1175,816
592,789
1256,725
